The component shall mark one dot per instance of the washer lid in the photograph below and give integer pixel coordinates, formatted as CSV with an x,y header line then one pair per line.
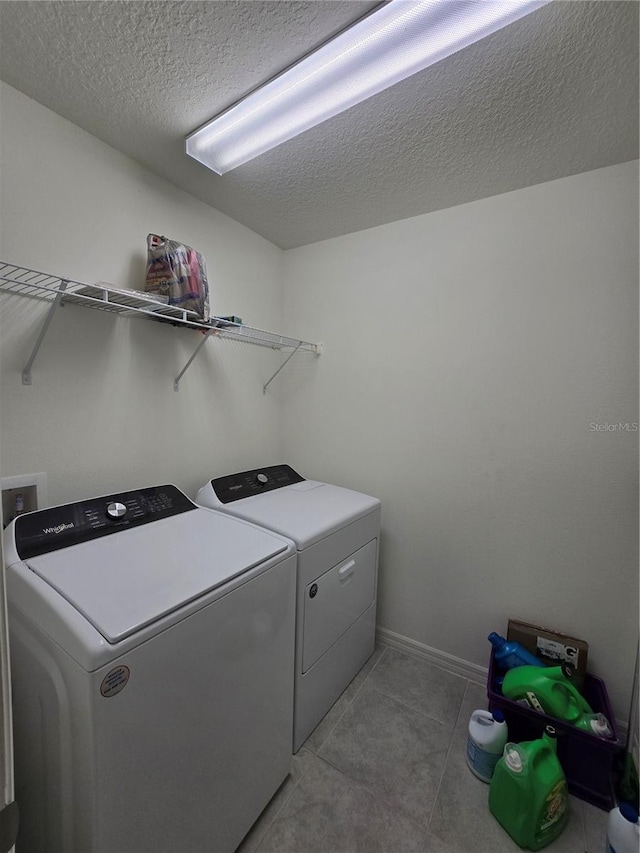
x,y
127,580
305,512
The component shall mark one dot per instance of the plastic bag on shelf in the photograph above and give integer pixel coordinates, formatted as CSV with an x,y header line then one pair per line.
x,y
178,273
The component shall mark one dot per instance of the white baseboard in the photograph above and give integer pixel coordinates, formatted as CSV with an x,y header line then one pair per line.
x,y
471,671
458,666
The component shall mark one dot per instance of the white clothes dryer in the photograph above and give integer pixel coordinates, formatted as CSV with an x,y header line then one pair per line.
x,y
152,659
336,532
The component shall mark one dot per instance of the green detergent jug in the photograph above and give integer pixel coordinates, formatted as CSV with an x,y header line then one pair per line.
x,y
595,724
528,792
548,690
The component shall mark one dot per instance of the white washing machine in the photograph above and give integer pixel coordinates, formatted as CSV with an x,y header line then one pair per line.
x,y
336,532
152,659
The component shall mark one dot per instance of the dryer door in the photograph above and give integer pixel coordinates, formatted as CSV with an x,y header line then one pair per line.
x,y
336,599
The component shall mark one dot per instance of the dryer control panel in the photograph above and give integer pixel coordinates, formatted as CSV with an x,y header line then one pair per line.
x,y
234,487
61,526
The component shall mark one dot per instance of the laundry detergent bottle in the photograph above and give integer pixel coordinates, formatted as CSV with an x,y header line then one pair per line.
x,y
595,724
485,742
528,792
509,653
548,690
623,830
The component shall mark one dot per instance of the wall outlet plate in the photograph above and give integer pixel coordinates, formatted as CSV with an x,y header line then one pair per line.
x,y
22,493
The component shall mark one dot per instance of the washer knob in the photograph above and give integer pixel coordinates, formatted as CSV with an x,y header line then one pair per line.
x,y
262,479
116,509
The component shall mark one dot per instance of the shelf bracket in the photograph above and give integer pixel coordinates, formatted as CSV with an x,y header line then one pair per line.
x,y
26,373
176,381
290,356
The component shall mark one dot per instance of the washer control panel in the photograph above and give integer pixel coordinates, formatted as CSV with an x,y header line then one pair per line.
x,y
61,526
246,484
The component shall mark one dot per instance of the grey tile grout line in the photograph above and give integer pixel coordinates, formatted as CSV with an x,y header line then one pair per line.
x,y
408,707
405,704
446,760
368,675
283,804
373,791
271,822
376,794
348,705
315,754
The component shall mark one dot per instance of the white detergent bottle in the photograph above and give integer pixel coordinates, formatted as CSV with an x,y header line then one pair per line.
x,y
487,737
623,830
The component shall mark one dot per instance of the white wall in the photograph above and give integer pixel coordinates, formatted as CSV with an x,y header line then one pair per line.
x,y
467,353
102,414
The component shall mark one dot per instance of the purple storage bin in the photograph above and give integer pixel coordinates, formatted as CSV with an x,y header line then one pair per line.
x,y
590,763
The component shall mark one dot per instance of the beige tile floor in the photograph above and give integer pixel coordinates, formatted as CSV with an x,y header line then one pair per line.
x,y
385,772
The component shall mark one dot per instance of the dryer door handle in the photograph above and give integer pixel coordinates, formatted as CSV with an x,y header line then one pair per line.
x,y
347,570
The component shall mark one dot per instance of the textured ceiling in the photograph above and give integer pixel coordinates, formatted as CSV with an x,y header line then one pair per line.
x,y
551,95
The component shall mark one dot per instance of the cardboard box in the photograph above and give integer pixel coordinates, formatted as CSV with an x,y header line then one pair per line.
x,y
550,646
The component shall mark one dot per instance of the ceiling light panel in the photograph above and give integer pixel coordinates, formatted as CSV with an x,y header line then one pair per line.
x,y
398,40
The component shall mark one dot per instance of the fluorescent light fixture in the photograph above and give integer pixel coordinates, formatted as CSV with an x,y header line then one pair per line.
x,y
389,45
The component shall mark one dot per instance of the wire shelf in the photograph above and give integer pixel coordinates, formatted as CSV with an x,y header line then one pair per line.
x,y
56,290
21,281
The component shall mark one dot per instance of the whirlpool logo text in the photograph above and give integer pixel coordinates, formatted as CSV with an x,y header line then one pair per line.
x,y
58,528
